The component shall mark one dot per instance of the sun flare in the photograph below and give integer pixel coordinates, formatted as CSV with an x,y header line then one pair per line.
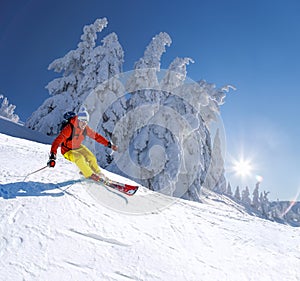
x,y
242,168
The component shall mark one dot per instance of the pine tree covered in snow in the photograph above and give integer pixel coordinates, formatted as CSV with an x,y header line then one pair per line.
x,y
285,212
161,156
215,179
229,190
82,69
255,200
237,194
246,196
264,204
7,109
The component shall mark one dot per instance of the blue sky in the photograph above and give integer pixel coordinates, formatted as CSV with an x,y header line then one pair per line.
x,y
253,45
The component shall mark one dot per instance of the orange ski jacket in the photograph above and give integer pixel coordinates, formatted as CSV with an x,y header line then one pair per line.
x,y
72,136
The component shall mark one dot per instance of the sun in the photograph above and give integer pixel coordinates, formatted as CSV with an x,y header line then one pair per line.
x,y
242,167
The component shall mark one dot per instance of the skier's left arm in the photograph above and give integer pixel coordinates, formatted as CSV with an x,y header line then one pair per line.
x,y
99,138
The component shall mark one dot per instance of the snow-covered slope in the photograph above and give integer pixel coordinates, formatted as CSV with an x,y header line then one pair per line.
x,y
18,130
53,226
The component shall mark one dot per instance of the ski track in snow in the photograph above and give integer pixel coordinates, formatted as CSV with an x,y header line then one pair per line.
x,y
99,238
53,228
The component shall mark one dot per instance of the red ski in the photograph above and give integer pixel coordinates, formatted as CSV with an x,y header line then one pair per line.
x,y
122,187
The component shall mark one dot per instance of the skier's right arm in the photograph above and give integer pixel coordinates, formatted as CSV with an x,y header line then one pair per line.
x,y
64,134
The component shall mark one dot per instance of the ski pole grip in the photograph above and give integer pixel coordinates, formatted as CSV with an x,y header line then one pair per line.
x,y
51,163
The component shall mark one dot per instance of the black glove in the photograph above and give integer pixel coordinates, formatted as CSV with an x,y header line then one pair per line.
x,y
51,161
112,146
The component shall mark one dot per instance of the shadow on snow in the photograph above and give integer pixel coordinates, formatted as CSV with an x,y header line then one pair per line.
x,y
22,189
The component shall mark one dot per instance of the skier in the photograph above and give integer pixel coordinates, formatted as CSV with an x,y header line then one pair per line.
x,y
70,139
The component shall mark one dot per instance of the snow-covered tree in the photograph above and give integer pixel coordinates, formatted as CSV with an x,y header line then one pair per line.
x,y
246,196
7,109
229,190
237,194
82,70
255,200
102,63
164,141
276,210
76,63
163,154
215,179
264,204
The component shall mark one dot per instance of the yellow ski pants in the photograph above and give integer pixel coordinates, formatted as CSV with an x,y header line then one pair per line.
x,y
84,159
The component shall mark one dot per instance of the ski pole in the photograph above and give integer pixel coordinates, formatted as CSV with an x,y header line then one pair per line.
x,y
35,172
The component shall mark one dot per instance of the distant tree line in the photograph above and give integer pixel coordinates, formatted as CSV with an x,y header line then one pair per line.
x,y
280,211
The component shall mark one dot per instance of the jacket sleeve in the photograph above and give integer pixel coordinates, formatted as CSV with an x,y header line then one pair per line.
x,y
97,137
64,134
